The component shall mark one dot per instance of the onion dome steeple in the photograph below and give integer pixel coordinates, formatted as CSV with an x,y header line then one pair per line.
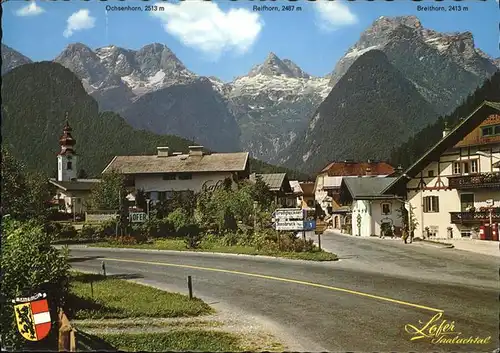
x,y
67,141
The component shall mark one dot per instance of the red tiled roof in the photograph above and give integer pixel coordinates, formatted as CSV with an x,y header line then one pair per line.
x,y
357,168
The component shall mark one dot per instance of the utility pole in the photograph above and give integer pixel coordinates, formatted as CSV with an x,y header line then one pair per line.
x,y
304,211
255,217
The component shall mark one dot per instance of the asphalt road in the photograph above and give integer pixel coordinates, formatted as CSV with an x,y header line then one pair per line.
x,y
345,305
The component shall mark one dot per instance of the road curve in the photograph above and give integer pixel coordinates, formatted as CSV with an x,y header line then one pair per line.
x,y
327,306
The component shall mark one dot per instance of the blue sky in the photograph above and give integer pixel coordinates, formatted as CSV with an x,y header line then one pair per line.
x,y
226,38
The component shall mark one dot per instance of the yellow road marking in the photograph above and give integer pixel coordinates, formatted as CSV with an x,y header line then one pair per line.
x,y
283,280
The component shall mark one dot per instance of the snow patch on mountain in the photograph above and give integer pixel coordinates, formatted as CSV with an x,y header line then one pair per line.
x,y
355,52
254,86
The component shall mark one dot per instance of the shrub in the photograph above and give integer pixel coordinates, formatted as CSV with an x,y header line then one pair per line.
x,y
178,218
106,229
192,234
67,232
138,233
230,239
53,229
89,232
29,265
155,228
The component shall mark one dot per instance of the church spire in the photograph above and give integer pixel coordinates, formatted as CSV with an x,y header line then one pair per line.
x,y
67,141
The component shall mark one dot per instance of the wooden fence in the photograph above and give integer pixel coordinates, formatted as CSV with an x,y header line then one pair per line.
x,y
67,340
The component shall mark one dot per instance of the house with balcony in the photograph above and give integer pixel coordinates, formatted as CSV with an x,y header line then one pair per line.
x,y
167,172
454,188
329,180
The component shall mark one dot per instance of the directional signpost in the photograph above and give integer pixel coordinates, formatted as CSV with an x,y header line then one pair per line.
x,y
289,219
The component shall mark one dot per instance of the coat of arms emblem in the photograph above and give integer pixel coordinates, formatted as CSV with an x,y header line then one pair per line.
x,y
33,316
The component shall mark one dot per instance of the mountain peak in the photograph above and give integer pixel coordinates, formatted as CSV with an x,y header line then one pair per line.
x,y
78,47
274,66
409,21
12,58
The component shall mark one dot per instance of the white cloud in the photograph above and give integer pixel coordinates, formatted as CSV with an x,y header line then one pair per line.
x,y
205,27
333,14
77,21
30,10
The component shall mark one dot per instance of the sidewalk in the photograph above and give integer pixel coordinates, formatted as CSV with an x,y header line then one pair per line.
x,y
485,247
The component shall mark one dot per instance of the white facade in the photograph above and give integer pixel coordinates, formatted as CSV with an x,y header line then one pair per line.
x,y
323,184
155,183
66,167
432,204
72,201
368,216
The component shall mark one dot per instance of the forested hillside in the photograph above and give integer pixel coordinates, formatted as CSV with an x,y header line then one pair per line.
x,y
372,109
418,144
35,99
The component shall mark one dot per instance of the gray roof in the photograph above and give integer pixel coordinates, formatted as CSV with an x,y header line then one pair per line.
x,y
75,185
273,181
367,187
215,162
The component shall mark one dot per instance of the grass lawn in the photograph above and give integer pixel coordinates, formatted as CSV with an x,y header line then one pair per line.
x,y
116,298
179,245
195,340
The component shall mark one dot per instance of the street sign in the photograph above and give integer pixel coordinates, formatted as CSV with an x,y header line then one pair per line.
x,y
138,217
289,225
309,225
320,227
288,213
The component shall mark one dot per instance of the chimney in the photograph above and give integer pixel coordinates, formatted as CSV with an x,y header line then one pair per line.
x,y
446,130
162,151
196,150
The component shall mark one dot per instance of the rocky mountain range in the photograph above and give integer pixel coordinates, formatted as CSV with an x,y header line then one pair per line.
x,y
444,67
12,59
265,110
372,101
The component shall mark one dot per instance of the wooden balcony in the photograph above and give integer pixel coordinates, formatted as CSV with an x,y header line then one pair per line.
x,y
475,181
474,217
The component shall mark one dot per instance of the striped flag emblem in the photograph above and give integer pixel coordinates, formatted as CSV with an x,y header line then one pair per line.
x,y
33,319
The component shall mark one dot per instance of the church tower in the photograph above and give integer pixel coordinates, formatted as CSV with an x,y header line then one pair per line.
x,y
66,158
